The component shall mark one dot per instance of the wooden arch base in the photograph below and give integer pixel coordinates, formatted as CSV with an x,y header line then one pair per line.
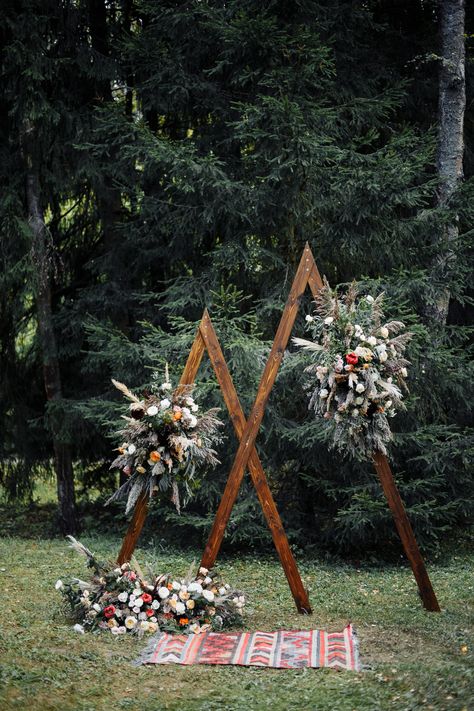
x,y
246,457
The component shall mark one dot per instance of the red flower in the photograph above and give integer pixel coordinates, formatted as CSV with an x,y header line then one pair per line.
x,y
352,358
109,611
149,612
146,597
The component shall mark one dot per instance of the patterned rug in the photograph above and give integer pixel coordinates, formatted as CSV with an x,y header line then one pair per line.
x,y
281,650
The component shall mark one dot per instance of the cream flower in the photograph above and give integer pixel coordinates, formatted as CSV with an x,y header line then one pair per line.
x,y
208,595
165,403
190,604
152,627
360,387
384,332
143,625
195,588
372,341
180,608
152,410
163,593
130,622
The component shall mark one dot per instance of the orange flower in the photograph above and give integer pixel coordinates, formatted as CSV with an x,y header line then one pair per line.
x,y
183,621
121,450
177,415
155,456
169,586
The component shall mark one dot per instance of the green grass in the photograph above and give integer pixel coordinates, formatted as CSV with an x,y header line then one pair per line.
x,y
414,659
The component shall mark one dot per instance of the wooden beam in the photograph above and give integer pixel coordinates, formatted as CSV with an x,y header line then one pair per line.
x,y
405,532
252,426
255,467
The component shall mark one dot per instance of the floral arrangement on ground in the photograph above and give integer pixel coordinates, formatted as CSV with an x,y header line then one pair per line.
x,y
119,599
166,440
360,369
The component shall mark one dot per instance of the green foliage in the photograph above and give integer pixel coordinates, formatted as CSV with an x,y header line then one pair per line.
x,y
187,153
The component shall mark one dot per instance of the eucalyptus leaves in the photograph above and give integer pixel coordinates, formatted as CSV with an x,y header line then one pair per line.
x,y
358,369
165,440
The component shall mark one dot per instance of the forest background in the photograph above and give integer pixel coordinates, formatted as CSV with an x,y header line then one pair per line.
x,y
160,157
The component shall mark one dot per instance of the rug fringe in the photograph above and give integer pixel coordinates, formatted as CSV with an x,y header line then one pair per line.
x,y
355,638
147,653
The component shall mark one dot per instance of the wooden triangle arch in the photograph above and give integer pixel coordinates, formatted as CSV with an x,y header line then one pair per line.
x,y
246,457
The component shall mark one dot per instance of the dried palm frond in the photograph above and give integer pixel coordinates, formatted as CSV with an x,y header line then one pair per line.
x,y
123,389
307,345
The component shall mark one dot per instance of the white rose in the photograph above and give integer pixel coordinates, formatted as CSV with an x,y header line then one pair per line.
x,y
137,592
190,604
355,412
186,411
195,587
384,332
121,629
138,602
96,607
152,619
59,585
163,593
383,355
372,341
142,616
208,595
115,630
359,400
122,597
370,299
136,610
207,580
152,411
131,449
155,605
360,387
309,318
222,591
176,585
328,321
323,393
192,421
165,404
180,608
143,625
78,628
130,622
194,407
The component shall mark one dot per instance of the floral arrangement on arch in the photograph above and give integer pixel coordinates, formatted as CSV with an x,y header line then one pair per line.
x,y
166,439
119,599
358,369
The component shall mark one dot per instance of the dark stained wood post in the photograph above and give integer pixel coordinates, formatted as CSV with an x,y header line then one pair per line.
x,y
259,479
405,531
306,267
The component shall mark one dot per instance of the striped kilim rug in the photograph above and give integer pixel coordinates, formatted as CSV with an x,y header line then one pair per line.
x,y
282,650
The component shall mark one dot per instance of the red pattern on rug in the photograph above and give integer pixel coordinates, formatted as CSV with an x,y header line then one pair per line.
x,y
280,650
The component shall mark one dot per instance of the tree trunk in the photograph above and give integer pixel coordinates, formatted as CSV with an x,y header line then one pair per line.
x,y
51,373
451,106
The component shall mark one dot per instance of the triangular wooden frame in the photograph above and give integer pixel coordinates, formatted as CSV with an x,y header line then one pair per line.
x,y
246,457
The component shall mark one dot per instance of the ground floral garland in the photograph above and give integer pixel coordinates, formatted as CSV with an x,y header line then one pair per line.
x,y
359,367
121,600
166,441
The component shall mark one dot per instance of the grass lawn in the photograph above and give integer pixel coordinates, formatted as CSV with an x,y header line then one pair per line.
x,y
413,659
